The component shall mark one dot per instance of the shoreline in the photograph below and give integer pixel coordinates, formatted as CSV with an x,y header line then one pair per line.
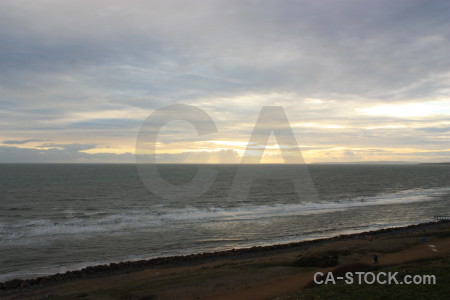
x,y
298,240
106,270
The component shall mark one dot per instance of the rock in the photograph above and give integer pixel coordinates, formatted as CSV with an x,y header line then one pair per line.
x,y
12,284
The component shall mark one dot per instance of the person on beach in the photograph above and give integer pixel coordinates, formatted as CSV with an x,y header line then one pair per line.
x,y
375,259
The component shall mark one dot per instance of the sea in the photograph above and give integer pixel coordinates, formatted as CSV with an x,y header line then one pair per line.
x,y
60,217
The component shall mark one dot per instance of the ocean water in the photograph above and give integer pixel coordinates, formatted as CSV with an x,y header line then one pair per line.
x,y
59,217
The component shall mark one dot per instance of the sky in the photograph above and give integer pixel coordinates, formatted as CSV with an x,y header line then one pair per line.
x,y
358,80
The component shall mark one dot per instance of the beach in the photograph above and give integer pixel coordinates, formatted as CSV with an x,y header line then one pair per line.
x,y
270,272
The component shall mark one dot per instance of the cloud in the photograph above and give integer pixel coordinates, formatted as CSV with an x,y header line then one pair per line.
x,y
73,153
20,142
89,72
69,147
227,47
56,155
435,108
435,129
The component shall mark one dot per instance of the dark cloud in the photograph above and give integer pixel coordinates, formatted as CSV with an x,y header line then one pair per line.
x,y
69,147
20,142
435,129
119,124
55,155
71,153
348,47
443,154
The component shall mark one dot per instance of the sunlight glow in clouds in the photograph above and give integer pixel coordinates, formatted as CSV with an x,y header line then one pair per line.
x,y
405,110
315,125
358,80
229,143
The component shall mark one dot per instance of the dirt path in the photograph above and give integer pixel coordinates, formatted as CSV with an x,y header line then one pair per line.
x,y
281,286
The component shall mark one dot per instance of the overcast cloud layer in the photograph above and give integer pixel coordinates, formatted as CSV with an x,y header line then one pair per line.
x,y
359,80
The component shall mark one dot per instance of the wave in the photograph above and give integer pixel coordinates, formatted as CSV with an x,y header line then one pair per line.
x,y
85,224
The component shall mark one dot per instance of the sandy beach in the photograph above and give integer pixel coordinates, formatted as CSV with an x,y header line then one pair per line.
x,y
254,273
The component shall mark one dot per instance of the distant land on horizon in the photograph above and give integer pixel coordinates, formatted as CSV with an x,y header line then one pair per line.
x,y
313,163
437,163
381,162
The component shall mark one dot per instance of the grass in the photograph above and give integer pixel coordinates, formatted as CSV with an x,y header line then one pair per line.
x,y
324,261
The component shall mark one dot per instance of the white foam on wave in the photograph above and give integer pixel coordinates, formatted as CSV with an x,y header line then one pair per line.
x,y
133,219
